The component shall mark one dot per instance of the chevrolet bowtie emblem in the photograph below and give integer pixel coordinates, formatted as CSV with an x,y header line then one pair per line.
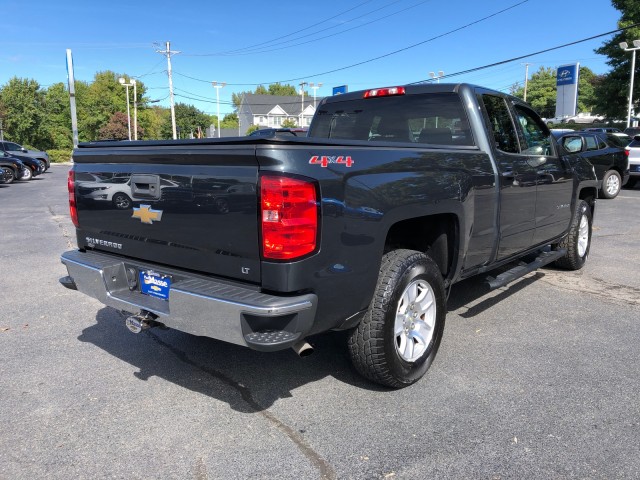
x,y
146,214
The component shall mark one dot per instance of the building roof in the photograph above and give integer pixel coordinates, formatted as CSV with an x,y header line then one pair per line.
x,y
264,104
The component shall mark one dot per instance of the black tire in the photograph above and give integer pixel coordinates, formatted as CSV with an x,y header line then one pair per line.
x,y
611,184
374,345
121,201
222,205
27,174
578,241
7,175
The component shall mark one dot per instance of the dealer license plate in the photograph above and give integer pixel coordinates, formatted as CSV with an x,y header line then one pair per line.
x,y
155,284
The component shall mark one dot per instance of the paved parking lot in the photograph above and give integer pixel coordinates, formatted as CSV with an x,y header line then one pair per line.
x,y
537,380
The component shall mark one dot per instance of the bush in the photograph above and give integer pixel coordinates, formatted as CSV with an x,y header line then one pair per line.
x,y
59,156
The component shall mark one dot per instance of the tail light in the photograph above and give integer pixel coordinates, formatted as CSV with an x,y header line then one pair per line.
x,y
71,186
289,209
626,152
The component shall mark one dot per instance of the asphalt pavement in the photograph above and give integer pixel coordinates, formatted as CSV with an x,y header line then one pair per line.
x,y
536,380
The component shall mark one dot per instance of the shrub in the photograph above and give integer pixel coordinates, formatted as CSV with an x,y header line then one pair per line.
x,y
59,156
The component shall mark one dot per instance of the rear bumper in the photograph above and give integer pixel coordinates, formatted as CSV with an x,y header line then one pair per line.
x,y
198,305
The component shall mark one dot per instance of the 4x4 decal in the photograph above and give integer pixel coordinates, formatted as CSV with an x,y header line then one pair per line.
x,y
325,160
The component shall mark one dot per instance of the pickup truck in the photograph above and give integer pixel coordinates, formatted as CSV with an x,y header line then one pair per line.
x,y
395,195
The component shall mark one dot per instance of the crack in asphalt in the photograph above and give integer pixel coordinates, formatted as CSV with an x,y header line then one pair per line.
x,y
598,287
326,471
58,219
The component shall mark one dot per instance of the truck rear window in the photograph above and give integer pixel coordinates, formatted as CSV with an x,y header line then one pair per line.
x,y
433,119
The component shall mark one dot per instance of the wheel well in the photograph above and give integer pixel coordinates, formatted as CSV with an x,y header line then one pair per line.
x,y
589,195
434,235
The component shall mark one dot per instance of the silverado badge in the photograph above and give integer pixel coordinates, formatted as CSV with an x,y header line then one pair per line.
x,y
146,214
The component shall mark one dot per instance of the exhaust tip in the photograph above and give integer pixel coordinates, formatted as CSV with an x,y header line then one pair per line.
x,y
303,349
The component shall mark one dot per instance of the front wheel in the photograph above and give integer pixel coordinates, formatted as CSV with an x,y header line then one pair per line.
x,y
611,184
27,173
578,241
398,338
121,201
7,175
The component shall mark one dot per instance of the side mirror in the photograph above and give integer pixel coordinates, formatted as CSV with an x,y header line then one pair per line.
x,y
572,144
24,150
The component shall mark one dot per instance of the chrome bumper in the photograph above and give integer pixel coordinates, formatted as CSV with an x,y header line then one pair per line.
x,y
197,304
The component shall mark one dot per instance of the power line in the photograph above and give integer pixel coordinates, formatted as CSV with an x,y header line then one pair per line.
x,y
281,37
521,57
267,49
375,58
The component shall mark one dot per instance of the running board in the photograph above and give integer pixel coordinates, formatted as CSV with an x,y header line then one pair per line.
x,y
521,270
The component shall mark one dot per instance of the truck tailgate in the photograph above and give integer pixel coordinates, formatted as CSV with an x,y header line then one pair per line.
x,y
194,207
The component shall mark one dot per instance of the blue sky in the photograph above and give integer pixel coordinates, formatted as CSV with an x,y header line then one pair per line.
x,y
260,42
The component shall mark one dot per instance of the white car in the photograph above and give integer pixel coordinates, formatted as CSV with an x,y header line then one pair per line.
x,y
633,152
585,118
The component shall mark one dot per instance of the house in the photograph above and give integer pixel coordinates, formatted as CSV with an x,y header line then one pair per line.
x,y
270,111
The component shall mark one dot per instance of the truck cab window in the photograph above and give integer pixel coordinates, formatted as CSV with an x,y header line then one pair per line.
x,y
536,136
500,124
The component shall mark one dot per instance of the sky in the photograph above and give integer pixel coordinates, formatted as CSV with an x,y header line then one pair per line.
x,y
358,43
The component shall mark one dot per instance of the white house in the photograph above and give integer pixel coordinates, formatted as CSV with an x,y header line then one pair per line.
x,y
270,111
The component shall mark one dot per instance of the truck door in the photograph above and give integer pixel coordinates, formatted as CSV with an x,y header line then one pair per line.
x,y
517,177
553,177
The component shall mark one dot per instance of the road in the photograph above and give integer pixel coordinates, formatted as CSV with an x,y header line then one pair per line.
x,y
537,380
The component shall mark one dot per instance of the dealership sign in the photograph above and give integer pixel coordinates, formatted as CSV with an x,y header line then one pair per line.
x,y
567,77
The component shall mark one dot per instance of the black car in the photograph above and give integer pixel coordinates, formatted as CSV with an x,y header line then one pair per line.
x,y
606,152
269,132
11,169
16,150
33,167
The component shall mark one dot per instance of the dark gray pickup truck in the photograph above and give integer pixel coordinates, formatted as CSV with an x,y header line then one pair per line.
x,y
364,225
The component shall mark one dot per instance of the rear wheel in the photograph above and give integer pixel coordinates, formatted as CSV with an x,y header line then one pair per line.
x,y
398,338
611,184
578,241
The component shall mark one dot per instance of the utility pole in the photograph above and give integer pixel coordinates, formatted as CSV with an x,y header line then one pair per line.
x,y
526,80
1,132
124,83
168,53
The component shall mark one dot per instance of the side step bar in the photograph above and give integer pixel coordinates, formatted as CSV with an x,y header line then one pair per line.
x,y
522,269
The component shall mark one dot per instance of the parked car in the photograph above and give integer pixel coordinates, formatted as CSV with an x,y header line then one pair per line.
x,y
33,167
632,131
633,153
268,132
555,120
602,129
15,149
584,118
606,152
11,169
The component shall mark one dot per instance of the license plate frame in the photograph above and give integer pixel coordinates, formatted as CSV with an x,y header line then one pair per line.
x,y
155,284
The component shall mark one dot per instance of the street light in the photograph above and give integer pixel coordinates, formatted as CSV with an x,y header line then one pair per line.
x,y
135,110
218,86
625,46
127,85
315,87
302,84
436,77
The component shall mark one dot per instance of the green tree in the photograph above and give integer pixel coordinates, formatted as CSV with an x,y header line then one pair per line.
x,y
288,123
152,120
21,101
542,91
230,120
56,122
188,119
613,89
279,89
